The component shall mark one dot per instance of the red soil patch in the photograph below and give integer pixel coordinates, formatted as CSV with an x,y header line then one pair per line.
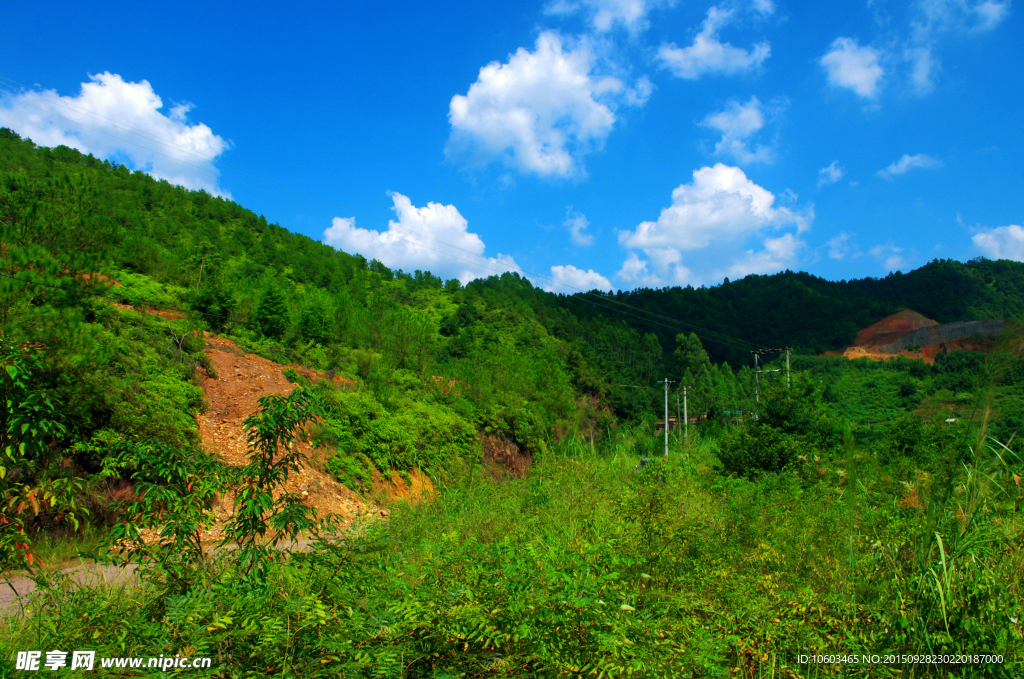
x,y
242,379
892,327
876,342
169,314
394,487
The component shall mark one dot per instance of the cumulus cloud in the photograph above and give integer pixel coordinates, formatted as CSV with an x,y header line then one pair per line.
x,y
850,65
1003,242
708,55
577,224
738,123
776,254
605,15
830,174
122,121
635,271
541,111
434,238
717,214
889,255
908,162
576,279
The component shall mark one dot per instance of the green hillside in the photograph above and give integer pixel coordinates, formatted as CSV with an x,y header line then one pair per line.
x,y
870,507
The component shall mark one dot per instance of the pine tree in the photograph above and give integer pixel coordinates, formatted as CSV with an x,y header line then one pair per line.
x,y
689,355
271,316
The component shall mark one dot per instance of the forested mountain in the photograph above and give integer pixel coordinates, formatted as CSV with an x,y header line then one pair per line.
x,y
147,226
526,356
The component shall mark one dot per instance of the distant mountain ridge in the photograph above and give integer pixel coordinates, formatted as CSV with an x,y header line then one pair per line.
x,y
815,315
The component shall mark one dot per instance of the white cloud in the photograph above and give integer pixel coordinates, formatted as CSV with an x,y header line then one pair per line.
x,y
122,121
830,174
764,7
717,214
923,67
840,247
607,14
1003,242
577,224
721,203
777,254
908,162
889,255
634,270
989,14
959,15
708,55
541,111
576,279
639,93
737,123
434,238
852,66
932,19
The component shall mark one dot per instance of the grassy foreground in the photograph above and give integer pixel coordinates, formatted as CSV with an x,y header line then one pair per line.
x,y
593,567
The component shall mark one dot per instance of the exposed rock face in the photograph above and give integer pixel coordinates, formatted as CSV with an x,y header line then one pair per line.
x,y
941,334
505,455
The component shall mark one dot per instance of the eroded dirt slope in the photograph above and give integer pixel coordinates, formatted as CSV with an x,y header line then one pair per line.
x,y
892,327
242,379
912,335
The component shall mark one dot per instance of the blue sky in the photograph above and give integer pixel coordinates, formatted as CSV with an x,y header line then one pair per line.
x,y
592,143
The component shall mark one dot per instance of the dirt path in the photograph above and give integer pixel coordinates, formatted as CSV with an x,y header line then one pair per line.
x,y
87,575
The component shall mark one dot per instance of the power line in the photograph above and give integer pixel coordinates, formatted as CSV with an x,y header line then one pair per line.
x,y
670,323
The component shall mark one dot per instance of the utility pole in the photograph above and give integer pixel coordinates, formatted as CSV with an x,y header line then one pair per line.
x,y
758,371
677,409
667,382
757,381
686,419
787,368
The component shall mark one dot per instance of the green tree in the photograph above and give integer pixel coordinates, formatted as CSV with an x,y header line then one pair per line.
x,y
689,355
214,302
315,319
27,426
271,432
271,315
175,490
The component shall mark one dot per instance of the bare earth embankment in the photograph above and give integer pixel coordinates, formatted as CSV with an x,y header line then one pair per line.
x,y
242,379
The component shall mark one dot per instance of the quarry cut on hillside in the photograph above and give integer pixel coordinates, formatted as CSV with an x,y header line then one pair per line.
x,y
912,335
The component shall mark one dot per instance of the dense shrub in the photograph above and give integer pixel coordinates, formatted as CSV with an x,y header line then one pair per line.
x,y
759,448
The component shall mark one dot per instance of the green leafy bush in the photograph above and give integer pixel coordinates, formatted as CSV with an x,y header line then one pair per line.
x,y
760,448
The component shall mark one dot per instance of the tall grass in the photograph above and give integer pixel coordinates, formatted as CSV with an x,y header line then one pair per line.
x,y
593,565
